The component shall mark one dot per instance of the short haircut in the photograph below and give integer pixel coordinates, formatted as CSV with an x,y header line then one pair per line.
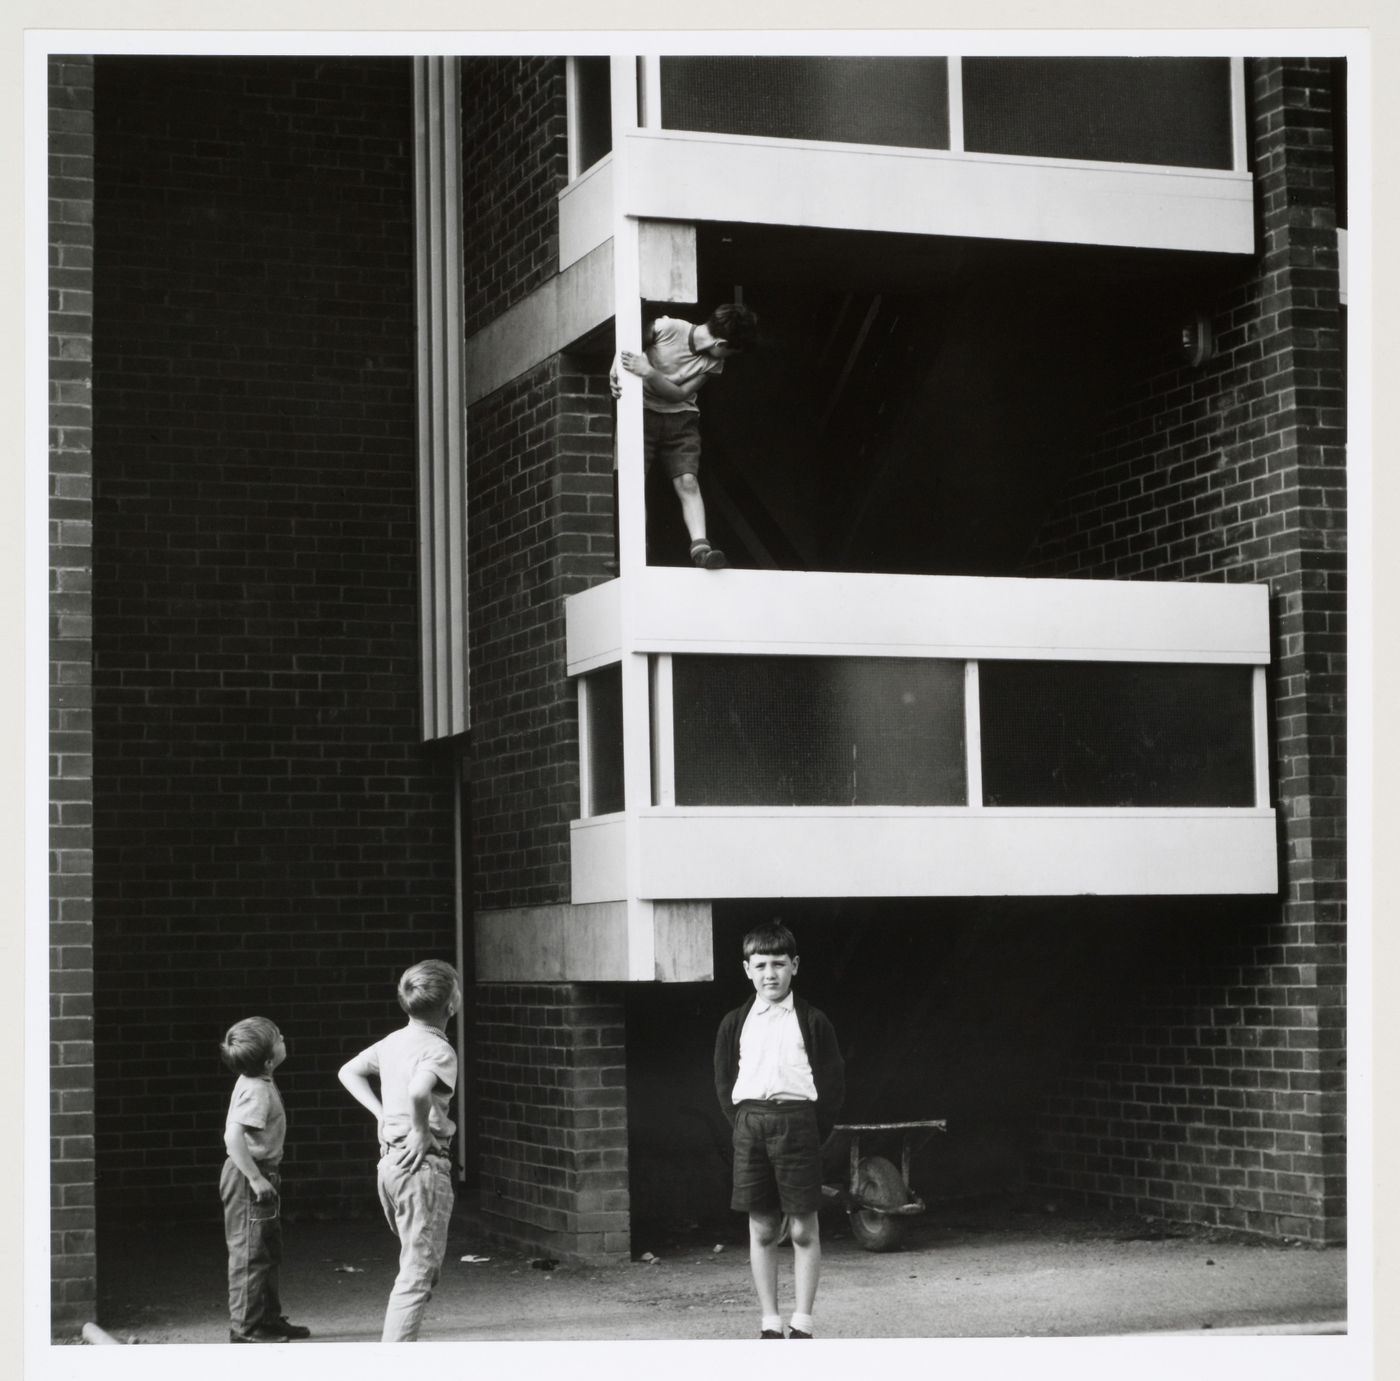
x,y
772,938
427,988
734,323
248,1046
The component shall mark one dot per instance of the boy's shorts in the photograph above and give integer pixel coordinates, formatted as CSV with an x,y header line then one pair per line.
x,y
777,1158
673,438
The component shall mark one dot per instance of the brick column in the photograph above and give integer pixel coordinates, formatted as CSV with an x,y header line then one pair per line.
x,y
1307,971
72,1212
1222,1100
552,1083
550,1057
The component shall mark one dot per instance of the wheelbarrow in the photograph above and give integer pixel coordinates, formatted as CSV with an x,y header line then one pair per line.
x,y
878,1199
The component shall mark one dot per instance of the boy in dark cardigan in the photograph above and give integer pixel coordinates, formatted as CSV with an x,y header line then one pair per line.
x,y
780,1080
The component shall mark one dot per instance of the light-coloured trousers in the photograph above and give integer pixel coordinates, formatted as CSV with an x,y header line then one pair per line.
x,y
254,1252
418,1205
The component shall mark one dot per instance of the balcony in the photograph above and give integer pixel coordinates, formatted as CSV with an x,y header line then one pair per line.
x,y
871,709
802,734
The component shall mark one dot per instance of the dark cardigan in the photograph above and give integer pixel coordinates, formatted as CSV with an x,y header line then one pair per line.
x,y
823,1054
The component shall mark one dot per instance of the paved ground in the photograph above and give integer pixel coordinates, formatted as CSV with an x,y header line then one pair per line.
x,y
998,1270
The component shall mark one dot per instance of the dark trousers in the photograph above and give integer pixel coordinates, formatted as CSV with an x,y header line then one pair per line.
x,y
254,1253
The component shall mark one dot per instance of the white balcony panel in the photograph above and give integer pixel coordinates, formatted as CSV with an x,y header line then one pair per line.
x,y
598,859
955,853
687,177
585,213
680,610
593,627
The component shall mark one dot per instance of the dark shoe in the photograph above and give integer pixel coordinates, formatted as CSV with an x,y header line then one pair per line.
x,y
769,1333
281,1327
715,560
797,1333
235,1337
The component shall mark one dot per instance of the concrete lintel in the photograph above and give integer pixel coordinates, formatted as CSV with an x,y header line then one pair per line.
x,y
588,943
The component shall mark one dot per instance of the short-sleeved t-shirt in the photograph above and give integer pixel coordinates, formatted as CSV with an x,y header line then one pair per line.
x,y
670,352
396,1059
256,1106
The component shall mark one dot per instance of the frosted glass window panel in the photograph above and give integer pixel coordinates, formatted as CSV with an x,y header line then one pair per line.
x,y
1174,112
898,102
1116,734
605,739
815,731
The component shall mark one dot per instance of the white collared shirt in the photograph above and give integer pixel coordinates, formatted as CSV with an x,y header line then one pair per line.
x,y
773,1061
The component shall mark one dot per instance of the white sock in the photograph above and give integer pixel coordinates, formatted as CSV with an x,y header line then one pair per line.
x,y
772,1323
801,1322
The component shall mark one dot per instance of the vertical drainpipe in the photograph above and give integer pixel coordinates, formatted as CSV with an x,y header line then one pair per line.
x,y
460,881
631,512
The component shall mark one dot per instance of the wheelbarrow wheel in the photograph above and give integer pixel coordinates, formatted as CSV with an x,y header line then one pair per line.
x,y
878,1182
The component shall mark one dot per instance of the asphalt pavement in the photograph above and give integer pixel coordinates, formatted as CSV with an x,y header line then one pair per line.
x,y
995,1270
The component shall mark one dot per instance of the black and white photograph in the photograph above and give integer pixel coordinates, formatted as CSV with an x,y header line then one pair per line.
x,y
698,691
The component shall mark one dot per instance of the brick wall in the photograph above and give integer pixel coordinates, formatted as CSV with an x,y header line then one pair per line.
x,y
552,1078
72,1170
1223,1100
271,835
513,170
539,476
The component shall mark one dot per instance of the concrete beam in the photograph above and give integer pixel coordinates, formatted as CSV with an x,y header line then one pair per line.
x,y
559,312
590,943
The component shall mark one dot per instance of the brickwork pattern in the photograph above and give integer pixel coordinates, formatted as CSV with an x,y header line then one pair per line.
x,y
1224,1103
539,476
513,171
272,836
551,1068
72,1167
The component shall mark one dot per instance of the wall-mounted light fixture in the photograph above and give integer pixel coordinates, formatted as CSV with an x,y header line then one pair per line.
x,y
1197,339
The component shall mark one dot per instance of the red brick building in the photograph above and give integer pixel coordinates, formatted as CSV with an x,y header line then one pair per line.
x,y
1023,702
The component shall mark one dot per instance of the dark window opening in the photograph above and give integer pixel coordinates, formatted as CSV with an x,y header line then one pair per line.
x,y
1168,111
604,700
1116,734
813,731
900,102
593,110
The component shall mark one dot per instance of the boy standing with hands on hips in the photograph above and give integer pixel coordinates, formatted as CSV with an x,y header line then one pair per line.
x,y
780,1080
416,1070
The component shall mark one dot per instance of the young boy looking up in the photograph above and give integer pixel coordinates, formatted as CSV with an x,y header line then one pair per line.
x,y
679,358
253,1136
780,1080
416,1069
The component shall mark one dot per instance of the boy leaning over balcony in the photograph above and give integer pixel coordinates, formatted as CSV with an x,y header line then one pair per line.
x,y
679,357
